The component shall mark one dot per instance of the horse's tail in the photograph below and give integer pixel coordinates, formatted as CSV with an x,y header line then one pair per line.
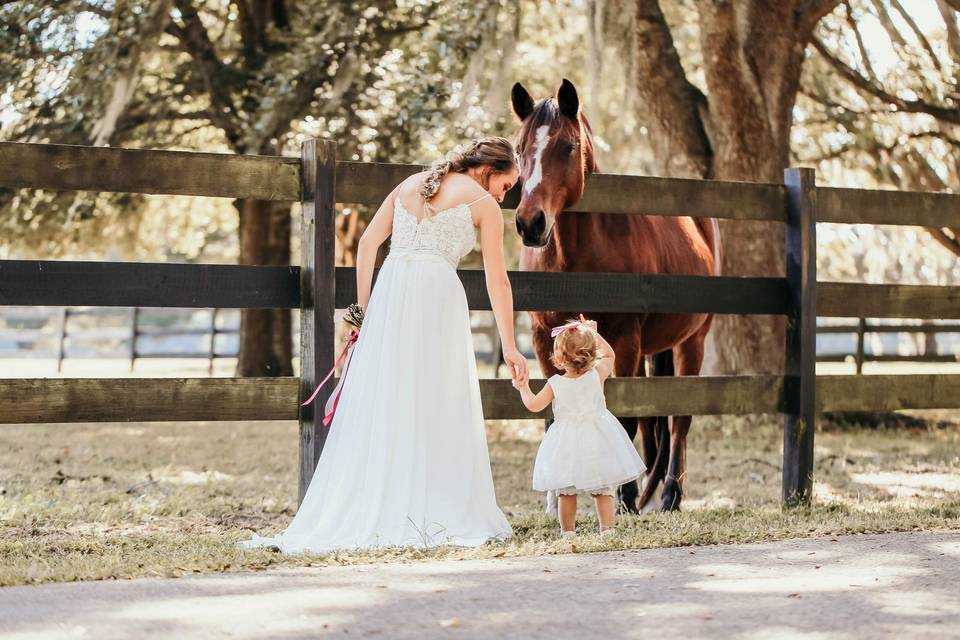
x,y
710,229
662,366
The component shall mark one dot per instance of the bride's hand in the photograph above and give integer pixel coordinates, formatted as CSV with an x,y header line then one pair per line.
x,y
517,363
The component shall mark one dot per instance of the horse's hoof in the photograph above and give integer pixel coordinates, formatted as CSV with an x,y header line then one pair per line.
x,y
672,496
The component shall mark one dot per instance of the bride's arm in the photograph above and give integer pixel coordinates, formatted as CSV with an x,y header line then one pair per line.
x,y
498,284
373,236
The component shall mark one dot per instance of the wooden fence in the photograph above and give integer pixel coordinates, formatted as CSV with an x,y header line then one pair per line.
x,y
317,287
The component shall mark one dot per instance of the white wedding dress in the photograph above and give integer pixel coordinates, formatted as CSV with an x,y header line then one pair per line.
x,y
406,461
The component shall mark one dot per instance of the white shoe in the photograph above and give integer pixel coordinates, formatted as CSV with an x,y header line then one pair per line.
x,y
568,534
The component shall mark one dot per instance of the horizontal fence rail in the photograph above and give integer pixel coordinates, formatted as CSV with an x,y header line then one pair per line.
x,y
370,183
855,300
66,400
82,168
134,284
864,206
615,292
143,284
77,168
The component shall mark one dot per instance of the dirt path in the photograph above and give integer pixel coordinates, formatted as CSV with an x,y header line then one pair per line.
x,y
897,585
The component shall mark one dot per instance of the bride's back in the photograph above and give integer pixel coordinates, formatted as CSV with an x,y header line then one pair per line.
x,y
455,189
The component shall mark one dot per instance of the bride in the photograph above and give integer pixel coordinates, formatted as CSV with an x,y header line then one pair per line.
x,y
406,460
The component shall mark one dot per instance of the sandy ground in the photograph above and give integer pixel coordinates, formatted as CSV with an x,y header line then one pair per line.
x,y
886,586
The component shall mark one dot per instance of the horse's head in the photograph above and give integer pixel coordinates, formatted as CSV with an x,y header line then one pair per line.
x,y
556,152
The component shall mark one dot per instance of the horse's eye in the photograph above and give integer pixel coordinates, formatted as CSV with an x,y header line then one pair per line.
x,y
569,147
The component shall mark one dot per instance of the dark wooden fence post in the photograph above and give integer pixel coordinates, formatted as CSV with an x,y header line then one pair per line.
x,y
317,279
800,368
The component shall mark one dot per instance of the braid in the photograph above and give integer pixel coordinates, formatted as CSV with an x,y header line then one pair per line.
x,y
498,153
432,184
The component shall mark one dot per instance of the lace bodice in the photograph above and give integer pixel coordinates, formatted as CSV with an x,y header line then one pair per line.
x,y
578,399
449,234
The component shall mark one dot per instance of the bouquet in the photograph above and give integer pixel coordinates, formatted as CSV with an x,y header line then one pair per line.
x,y
354,316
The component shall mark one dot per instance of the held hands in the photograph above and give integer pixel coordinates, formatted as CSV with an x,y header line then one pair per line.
x,y
517,364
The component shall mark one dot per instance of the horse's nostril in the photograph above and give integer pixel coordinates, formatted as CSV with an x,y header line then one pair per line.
x,y
539,223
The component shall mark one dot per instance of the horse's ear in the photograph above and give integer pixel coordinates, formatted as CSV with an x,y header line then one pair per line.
x,y
568,100
522,102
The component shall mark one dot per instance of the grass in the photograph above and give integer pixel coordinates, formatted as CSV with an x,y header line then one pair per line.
x,y
103,501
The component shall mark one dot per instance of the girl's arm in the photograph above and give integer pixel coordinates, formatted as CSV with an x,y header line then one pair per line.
x,y
606,364
373,236
605,367
534,401
498,284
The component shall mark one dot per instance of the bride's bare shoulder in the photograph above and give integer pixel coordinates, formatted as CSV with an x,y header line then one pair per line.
x,y
459,186
413,181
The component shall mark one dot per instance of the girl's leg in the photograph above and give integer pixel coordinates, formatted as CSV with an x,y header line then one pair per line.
x,y
604,511
568,512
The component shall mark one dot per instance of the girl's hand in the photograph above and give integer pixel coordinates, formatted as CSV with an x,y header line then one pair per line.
x,y
590,324
516,362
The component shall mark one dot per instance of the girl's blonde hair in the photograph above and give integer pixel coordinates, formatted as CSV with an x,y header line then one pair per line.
x,y
491,151
575,349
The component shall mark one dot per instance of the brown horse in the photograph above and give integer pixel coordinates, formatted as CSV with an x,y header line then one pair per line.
x,y
556,154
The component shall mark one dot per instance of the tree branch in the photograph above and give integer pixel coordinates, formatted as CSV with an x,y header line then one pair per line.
x,y
195,40
878,148
918,33
954,4
951,243
863,50
946,114
953,34
674,110
809,13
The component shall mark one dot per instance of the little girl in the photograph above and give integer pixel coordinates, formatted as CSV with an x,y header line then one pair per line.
x,y
585,450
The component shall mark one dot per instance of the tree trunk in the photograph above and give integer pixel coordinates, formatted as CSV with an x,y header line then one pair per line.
x,y
265,334
752,58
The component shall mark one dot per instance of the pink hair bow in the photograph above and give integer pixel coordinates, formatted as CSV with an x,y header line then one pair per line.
x,y
565,327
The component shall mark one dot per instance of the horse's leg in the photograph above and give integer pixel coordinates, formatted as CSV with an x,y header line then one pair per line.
x,y
656,438
629,363
543,347
688,358
629,491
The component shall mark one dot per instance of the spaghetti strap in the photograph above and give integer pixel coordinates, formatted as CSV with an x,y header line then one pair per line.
x,y
486,195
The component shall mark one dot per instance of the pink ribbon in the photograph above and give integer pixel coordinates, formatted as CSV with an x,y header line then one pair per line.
x,y
334,398
565,327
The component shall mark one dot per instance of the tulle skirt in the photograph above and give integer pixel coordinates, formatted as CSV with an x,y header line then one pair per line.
x,y
588,455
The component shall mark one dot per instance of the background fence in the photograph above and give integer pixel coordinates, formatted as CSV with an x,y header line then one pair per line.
x,y
317,287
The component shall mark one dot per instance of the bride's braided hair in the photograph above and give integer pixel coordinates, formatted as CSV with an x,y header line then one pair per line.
x,y
491,151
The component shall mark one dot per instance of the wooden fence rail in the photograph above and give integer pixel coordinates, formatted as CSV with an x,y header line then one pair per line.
x,y
318,181
80,168
70,400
